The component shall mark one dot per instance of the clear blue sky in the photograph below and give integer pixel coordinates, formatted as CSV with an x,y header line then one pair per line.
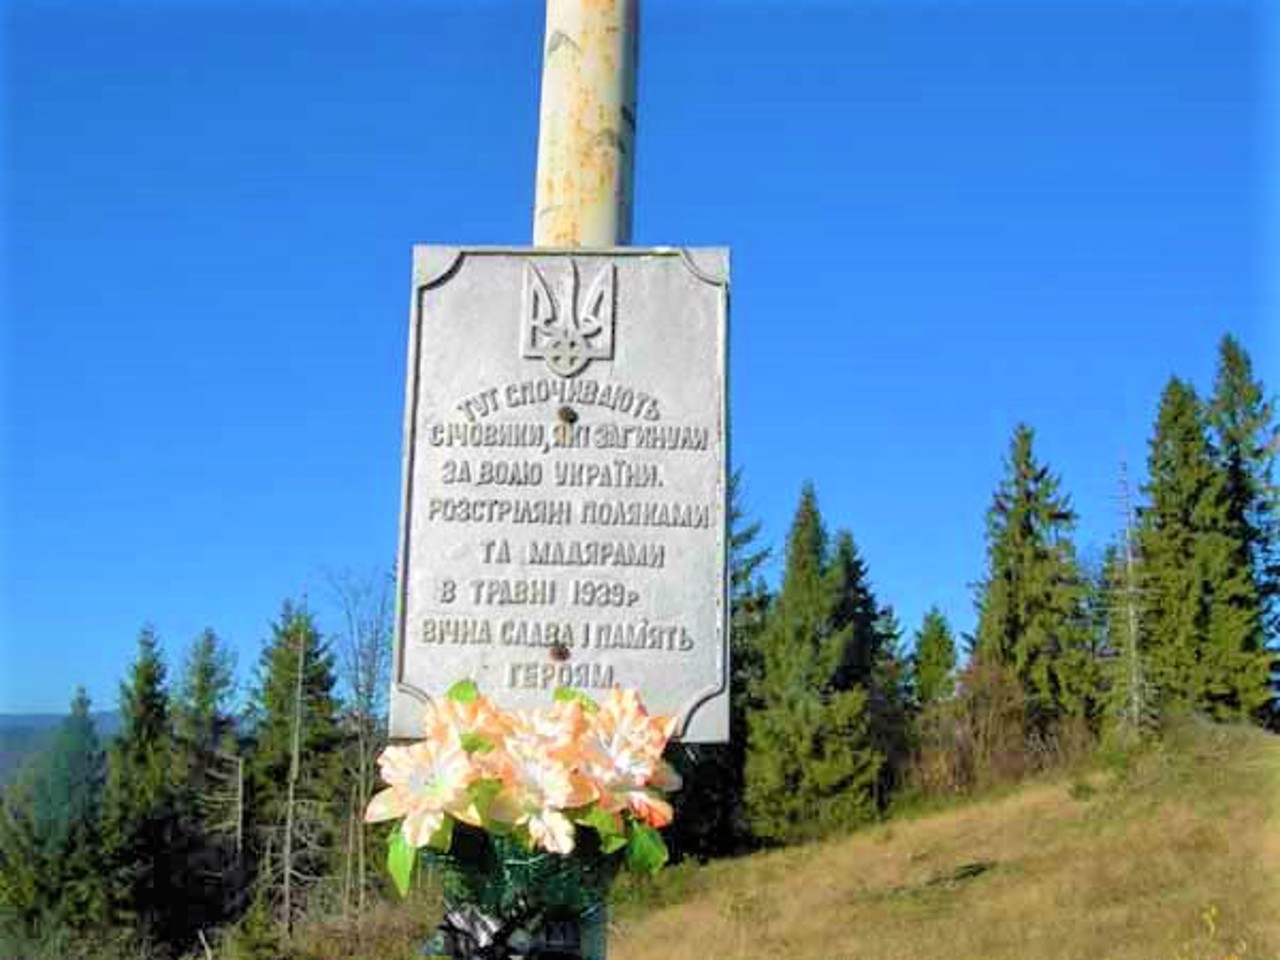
x,y
945,217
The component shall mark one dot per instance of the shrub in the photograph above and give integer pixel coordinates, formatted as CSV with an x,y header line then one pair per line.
x,y
976,739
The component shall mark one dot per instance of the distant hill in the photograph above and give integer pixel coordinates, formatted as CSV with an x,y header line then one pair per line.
x,y
23,735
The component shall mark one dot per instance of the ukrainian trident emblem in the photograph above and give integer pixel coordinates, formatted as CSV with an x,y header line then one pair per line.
x,y
568,334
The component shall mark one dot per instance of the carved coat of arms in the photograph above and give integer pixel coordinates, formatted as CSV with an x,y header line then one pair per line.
x,y
570,332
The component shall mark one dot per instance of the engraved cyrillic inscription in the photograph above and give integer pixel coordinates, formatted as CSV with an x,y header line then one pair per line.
x,y
611,436
645,636
478,510
487,473
594,553
612,473
547,676
620,398
536,593
641,635
457,434
629,513
537,633
460,630
567,436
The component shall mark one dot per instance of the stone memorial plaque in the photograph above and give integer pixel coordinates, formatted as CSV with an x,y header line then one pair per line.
x,y
563,519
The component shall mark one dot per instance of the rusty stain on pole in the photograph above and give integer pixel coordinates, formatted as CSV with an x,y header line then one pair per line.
x,y
587,125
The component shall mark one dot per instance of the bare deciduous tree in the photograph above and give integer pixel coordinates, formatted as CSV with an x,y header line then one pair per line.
x,y
366,609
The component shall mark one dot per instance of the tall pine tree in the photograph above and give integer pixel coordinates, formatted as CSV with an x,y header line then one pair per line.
x,y
25,897
50,827
70,808
890,703
1241,421
934,661
206,764
811,764
142,827
855,609
1030,610
202,717
295,777
1083,671
1201,609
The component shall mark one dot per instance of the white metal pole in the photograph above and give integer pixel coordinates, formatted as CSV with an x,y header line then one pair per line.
x,y
587,124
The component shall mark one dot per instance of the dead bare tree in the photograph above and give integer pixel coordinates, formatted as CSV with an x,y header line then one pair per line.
x,y
353,831
1137,705
221,806
295,766
366,608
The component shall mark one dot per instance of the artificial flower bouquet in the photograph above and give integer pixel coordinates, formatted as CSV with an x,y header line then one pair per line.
x,y
526,812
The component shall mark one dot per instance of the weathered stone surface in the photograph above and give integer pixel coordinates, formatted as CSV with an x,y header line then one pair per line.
x,y
563,521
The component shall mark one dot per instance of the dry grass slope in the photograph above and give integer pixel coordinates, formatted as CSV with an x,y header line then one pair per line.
x,y
1175,856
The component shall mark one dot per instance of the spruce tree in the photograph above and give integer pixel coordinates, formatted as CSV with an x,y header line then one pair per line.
x,y
202,705
872,660
296,808
69,795
1244,433
1086,653
1201,609
890,703
1031,612
71,799
934,661
811,765
142,829
206,755
25,896
855,609
50,825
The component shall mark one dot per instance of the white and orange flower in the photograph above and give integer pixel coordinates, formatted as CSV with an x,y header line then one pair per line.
x,y
476,722
622,754
427,781
538,769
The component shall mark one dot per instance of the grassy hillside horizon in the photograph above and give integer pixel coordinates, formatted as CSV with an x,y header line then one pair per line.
x,y
1174,855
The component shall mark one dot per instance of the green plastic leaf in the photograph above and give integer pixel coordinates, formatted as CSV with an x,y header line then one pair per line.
x,y
520,834
497,828
601,821
646,850
400,858
608,825
442,838
473,742
570,695
482,793
464,691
